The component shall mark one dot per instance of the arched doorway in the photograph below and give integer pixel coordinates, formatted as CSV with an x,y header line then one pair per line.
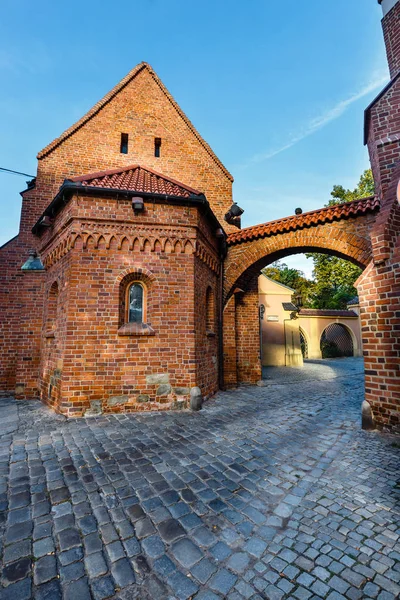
x,y
336,341
303,343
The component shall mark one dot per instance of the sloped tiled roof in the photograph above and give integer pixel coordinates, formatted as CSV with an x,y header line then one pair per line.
x,y
308,219
111,94
321,312
135,178
289,306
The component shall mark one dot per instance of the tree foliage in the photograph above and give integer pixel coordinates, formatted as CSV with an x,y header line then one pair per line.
x,y
363,189
293,278
333,278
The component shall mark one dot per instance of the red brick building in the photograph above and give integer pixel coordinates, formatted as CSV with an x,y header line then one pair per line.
x,y
142,290
111,230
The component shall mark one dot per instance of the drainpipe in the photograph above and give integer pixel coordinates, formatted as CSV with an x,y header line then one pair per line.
x,y
293,315
221,317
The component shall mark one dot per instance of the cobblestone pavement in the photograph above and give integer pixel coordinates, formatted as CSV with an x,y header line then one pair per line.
x,y
267,493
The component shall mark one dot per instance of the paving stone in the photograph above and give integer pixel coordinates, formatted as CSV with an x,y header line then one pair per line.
x,y
16,551
44,569
50,591
182,586
77,589
16,570
220,551
244,589
353,578
144,527
72,572
206,595
203,570
102,588
95,565
87,525
238,562
186,552
223,581
122,573
153,546
68,538
43,546
115,551
21,590
387,585
70,556
273,593
255,546
170,530
132,547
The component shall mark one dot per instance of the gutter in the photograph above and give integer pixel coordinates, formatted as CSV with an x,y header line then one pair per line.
x,y
69,188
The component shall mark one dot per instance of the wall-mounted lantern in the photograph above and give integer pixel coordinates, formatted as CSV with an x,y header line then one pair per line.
x,y
137,204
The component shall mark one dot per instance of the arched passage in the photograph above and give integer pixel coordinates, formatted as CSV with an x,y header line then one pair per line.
x,y
248,258
341,231
336,341
303,343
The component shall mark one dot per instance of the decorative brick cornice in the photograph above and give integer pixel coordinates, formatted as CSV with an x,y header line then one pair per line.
x,y
138,241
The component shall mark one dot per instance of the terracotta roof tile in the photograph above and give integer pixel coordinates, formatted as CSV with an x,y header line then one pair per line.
x,y
135,178
322,312
308,219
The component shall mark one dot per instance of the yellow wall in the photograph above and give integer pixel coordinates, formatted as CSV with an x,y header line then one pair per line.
x,y
281,335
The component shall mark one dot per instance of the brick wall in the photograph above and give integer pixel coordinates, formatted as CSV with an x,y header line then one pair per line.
x,y
145,110
391,34
383,136
10,303
248,334
379,291
93,247
229,337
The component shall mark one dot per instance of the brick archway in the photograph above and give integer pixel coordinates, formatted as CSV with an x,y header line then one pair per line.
x,y
342,231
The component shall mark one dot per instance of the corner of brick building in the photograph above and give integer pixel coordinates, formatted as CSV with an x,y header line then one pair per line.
x,y
85,274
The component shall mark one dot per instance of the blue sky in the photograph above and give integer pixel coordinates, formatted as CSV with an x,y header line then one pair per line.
x,y
278,89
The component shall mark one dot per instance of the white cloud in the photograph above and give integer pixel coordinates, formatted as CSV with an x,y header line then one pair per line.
x,y
327,117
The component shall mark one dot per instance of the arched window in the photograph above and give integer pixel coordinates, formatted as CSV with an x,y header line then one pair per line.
x,y
136,303
210,311
136,298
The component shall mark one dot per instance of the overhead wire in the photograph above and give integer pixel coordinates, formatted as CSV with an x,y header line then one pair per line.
x,y
12,172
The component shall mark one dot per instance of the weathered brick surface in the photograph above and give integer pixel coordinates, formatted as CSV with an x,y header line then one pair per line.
x,y
178,243
391,34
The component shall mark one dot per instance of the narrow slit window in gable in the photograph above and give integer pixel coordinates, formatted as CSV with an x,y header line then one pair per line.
x,y
124,143
157,146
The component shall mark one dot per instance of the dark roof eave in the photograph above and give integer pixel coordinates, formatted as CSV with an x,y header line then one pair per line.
x,y
367,111
68,189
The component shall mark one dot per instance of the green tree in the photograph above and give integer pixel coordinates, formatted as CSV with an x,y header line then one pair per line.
x,y
334,277
363,189
293,278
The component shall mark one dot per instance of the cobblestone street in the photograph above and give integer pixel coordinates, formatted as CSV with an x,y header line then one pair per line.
x,y
269,492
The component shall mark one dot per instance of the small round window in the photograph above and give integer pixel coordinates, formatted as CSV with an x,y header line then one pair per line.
x,y
135,303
